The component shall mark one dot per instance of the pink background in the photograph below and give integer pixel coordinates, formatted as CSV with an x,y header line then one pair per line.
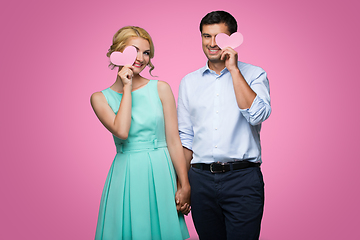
x,y
55,154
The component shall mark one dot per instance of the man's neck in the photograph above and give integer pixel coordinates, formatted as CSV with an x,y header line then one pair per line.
x,y
217,66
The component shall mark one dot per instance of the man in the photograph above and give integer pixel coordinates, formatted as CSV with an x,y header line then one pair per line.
x,y
220,110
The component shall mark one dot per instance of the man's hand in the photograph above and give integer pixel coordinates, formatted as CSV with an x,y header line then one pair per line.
x,y
182,199
231,58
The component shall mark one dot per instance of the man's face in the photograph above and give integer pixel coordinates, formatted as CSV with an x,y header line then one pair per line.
x,y
209,32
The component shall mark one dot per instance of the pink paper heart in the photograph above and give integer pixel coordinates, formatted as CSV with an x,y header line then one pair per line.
x,y
233,41
128,56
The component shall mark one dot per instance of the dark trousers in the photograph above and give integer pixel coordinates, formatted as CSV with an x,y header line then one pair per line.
x,y
227,205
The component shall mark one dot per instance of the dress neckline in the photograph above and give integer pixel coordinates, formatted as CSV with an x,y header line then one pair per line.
x,y
134,90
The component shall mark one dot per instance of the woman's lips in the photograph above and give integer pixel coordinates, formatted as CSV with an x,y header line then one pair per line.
x,y
138,65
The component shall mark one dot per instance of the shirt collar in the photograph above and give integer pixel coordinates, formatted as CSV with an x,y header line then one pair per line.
x,y
206,69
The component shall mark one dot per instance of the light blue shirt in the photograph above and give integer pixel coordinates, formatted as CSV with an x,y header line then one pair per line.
x,y
210,122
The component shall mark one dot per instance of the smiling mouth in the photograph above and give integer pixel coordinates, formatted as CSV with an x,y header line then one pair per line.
x,y
214,51
138,65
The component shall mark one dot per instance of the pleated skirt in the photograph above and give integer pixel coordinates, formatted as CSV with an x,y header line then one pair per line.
x,y
138,199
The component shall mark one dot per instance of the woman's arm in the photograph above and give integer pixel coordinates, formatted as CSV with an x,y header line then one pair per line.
x,y
118,124
173,141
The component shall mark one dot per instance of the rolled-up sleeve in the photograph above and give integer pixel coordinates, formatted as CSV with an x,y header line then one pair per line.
x,y
260,108
185,126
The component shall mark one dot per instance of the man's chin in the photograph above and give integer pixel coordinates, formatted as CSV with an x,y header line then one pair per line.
x,y
214,59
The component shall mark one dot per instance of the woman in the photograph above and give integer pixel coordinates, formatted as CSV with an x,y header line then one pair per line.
x,y
138,200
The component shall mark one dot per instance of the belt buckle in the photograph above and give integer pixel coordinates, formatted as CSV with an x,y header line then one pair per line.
x,y
217,171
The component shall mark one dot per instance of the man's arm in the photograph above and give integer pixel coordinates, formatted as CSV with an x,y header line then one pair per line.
x,y
184,119
253,100
244,94
188,156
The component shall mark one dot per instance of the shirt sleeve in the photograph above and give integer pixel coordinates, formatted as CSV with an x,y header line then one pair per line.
x,y
260,108
184,120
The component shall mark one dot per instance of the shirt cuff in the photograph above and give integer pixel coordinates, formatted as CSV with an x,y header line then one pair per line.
x,y
255,108
186,141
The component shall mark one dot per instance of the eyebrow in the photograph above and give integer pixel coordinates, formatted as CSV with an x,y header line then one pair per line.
x,y
139,49
206,34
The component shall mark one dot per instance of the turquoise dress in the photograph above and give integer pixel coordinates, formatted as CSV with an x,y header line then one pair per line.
x,y
138,200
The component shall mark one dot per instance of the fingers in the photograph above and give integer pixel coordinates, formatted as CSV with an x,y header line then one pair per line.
x,y
178,207
182,200
227,52
231,58
223,56
129,66
185,209
126,73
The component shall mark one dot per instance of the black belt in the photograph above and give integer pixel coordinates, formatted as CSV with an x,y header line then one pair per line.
x,y
221,167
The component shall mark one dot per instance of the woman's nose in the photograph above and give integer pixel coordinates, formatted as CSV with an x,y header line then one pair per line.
x,y
140,57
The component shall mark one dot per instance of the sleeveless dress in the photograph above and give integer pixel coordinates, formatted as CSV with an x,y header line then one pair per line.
x,y
138,199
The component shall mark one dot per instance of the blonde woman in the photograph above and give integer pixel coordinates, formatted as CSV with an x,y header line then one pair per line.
x,y
147,190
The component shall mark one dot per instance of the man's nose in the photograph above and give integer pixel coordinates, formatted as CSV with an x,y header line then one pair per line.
x,y
213,42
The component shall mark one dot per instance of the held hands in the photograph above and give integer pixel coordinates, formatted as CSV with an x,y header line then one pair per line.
x,y
126,74
182,199
231,58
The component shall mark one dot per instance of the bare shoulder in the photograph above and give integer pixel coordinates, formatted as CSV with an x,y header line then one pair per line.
x,y
96,98
163,86
165,92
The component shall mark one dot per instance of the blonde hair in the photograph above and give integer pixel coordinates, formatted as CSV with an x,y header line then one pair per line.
x,y
121,37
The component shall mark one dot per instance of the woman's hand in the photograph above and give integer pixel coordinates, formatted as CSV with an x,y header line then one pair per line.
x,y
182,199
126,74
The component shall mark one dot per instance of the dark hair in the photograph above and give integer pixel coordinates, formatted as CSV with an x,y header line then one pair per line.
x,y
216,17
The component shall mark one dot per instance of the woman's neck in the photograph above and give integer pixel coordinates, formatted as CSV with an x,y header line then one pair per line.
x,y
137,82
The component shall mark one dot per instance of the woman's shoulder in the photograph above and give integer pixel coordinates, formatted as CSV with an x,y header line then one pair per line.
x,y
163,86
164,90
97,97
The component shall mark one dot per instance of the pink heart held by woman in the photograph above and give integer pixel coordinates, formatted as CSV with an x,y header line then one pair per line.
x,y
128,56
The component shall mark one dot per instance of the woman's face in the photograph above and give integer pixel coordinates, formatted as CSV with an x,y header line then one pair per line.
x,y
143,53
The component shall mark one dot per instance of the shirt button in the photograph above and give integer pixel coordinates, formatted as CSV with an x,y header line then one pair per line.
x,y
217,111
215,128
215,146
217,94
